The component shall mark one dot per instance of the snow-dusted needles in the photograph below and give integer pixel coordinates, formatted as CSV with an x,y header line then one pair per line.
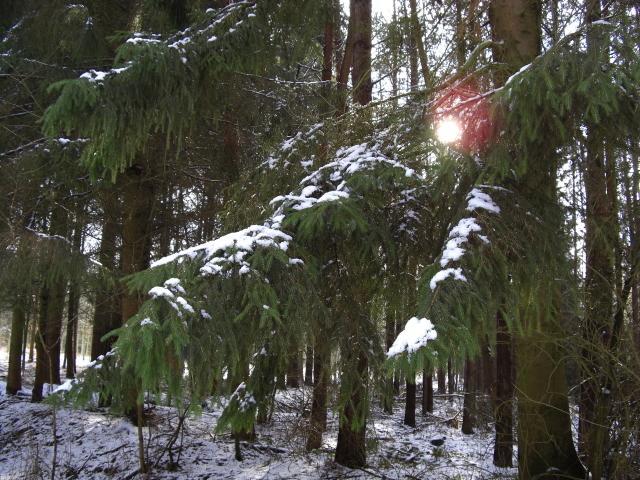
x,y
448,130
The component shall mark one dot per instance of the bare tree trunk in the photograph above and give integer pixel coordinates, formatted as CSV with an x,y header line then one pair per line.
x,y
427,391
308,365
469,408
73,308
318,417
600,276
451,381
51,309
351,447
138,207
416,33
544,424
442,381
108,314
14,373
410,402
293,368
503,446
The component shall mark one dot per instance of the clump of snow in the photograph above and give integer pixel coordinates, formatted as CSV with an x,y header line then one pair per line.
x,y
477,199
457,237
231,248
456,273
161,292
416,334
99,76
147,322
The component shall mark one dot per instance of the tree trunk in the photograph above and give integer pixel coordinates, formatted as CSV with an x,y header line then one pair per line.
x,y
599,280
308,365
351,447
51,309
107,315
442,381
293,379
410,401
387,394
138,206
318,417
544,424
73,308
451,381
503,446
427,391
469,407
14,373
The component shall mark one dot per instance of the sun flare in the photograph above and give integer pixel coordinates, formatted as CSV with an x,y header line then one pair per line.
x,y
448,130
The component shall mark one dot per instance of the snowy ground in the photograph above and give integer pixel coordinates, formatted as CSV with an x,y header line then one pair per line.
x,y
94,445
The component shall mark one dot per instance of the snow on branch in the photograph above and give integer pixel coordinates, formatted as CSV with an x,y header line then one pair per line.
x,y
459,236
231,249
416,334
348,161
181,41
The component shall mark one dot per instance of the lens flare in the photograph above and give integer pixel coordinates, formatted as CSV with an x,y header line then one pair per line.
x,y
448,130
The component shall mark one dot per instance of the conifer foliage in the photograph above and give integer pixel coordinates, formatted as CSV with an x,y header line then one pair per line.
x,y
195,174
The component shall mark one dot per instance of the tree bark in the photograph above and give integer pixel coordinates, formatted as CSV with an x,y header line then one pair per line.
x,y
442,381
503,446
469,407
14,373
318,417
308,365
138,207
599,281
427,391
73,308
107,314
351,447
51,307
544,424
410,401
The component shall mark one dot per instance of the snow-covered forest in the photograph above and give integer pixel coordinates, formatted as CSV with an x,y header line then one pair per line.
x,y
319,239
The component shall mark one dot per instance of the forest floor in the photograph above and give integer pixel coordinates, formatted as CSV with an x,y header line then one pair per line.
x,y
95,445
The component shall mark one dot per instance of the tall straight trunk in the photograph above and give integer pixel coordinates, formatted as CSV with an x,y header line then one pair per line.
x,y
451,381
308,365
410,401
107,314
460,37
14,373
25,335
503,446
138,207
351,446
469,406
387,396
442,381
137,204
318,417
416,35
427,391
73,308
293,368
544,425
599,280
32,338
52,307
